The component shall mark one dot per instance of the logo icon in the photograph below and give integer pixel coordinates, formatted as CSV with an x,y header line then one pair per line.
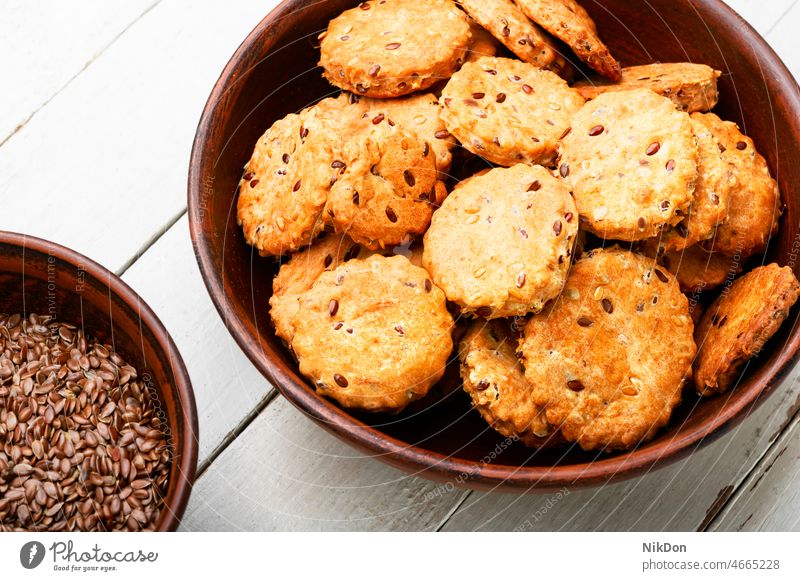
x,y
31,554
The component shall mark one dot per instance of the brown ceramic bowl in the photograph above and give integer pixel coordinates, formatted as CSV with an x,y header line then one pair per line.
x,y
275,72
40,277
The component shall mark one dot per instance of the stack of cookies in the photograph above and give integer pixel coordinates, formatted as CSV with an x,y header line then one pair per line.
x,y
568,277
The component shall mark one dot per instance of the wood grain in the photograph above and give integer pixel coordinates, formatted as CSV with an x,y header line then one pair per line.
x,y
102,168
39,56
683,496
286,473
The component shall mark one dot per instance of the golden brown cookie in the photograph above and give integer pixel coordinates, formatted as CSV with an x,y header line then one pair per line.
x,y
387,190
567,20
506,22
713,188
391,48
483,43
500,244
755,204
631,159
738,324
696,269
297,275
608,358
691,86
286,182
495,380
508,111
419,114
373,334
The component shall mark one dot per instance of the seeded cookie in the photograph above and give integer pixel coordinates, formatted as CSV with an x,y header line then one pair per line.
x,y
738,324
373,334
631,159
394,47
713,188
385,195
297,275
691,86
500,244
696,269
419,114
510,26
508,111
567,20
608,358
495,380
286,181
483,43
754,206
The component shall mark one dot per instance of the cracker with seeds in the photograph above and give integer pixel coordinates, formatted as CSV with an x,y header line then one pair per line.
x,y
500,245
388,189
569,21
631,161
755,205
495,380
609,357
506,22
691,86
738,324
373,334
508,111
394,47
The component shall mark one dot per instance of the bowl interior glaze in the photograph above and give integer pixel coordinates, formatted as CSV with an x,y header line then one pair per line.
x,y
275,72
43,278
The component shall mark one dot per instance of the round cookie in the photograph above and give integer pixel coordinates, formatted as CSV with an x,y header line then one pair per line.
x,y
394,47
508,111
297,275
713,188
755,204
419,114
285,185
691,86
495,380
506,22
500,244
738,324
386,193
696,269
608,358
483,43
373,334
567,20
631,159
286,181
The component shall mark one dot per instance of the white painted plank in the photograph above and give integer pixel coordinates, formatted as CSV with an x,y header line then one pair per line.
x,y
285,473
783,38
675,498
39,54
226,385
103,166
770,499
761,15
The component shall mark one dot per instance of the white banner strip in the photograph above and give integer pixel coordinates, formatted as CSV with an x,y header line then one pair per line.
x,y
389,556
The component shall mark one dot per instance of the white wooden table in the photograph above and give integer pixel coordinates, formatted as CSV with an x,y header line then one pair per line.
x,y
98,106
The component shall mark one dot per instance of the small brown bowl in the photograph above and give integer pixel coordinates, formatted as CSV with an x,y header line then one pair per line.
x,y
41,277
275,72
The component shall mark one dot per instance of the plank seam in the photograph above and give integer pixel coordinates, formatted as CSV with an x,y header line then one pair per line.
x,y
237,431
751,476
86,65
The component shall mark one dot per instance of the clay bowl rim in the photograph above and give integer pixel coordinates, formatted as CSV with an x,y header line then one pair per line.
x,y
427,463
182,387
